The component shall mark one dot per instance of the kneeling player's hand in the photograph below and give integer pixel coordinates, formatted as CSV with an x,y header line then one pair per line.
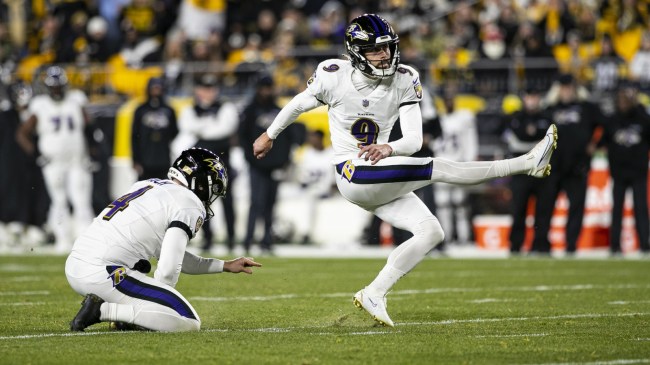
x,y
375,152
262,146
241,264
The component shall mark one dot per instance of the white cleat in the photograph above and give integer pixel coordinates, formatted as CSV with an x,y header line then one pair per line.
x,y
538,159
375,305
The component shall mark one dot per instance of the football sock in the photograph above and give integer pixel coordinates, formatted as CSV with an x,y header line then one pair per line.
x,y
468,173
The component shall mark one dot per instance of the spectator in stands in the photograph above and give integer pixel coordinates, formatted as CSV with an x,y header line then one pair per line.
x,y
627,138
213,123
640,64
573,57
522,130
24,202
154,128
556,24
265,174
198,18
72,40
137,48
99,47
576,121
605,71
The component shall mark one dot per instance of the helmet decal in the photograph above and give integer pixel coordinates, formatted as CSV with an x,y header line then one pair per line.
x,y
354,31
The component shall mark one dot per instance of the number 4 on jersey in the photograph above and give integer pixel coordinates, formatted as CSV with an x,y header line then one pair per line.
x,y
122,202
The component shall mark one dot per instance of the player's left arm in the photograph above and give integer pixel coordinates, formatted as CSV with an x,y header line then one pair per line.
x,y
172,252
195,265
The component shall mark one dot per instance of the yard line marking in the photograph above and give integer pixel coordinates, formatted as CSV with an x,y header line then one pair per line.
x,y
497,300
517,335
622,302
543,288
608,362
291,329
20,279
371,333
24,303
17,293
30,268
68,334
534,318
254,298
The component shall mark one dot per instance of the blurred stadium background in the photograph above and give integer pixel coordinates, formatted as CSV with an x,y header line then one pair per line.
x,y
489,49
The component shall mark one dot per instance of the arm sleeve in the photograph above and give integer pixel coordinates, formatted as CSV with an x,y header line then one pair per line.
x,y
194,265
305,101
411,141
172,254
222,125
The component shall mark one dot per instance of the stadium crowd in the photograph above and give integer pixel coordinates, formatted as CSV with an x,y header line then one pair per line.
x,y
489,49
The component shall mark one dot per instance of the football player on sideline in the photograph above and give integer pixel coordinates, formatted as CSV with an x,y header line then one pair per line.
x,y
155,218
59,120
366,95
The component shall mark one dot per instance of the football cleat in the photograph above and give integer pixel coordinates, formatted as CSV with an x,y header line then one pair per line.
x,y
538,159
123,326
88,314
375,305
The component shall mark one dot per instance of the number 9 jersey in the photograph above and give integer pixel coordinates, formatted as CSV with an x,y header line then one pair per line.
x,y
60,125
358,119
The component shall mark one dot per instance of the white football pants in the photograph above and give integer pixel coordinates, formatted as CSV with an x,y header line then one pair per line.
x,y
450,205
68,181
133,297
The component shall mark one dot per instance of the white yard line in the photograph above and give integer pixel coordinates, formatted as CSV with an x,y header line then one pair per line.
x,y
606,362
538,288
21,279
623,302
514,335
534,318
324,328
23,303
21,293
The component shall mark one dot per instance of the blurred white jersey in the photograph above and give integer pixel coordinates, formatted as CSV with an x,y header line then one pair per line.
x,y
355,118
132,227
60,125
459,141
315,170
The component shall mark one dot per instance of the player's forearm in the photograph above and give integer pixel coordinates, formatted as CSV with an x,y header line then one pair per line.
x,y
411,122
196,265
301,103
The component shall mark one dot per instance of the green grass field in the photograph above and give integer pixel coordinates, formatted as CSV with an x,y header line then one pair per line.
x,y
299,311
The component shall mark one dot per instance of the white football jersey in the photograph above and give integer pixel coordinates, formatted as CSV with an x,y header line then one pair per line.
x,y
132,227
60,125
315,169
459,141
355,119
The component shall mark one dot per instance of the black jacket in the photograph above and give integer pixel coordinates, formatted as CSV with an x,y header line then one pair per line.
x,y
154,128
526,128
576,123
256,118
627,137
